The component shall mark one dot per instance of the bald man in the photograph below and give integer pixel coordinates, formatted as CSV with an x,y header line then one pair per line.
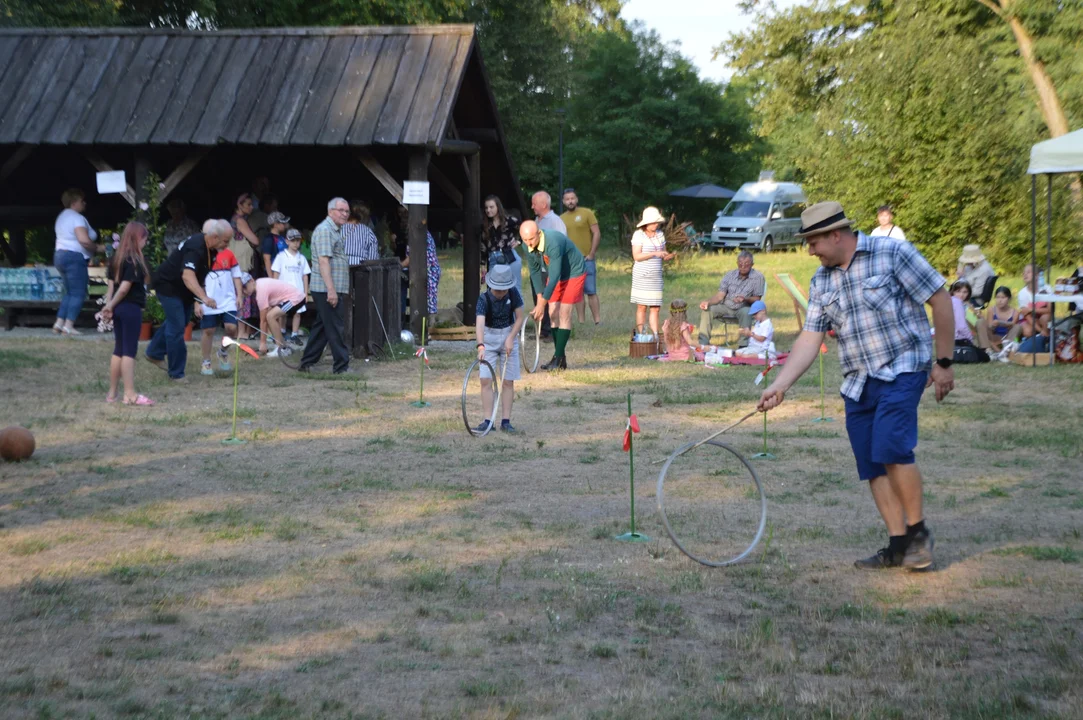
x,y
567,277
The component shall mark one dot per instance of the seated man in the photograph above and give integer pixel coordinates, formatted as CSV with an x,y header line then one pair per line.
x,y
736,293
976,270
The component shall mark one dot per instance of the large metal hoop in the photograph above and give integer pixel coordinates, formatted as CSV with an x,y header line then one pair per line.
x,y
660,495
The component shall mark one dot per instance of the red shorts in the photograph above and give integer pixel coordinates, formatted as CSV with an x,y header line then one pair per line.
x,y
570,290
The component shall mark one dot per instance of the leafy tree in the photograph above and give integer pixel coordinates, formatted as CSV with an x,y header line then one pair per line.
x,y
922,105
642,123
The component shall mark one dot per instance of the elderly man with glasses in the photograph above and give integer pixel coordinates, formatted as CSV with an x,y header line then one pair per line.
x,y
330,289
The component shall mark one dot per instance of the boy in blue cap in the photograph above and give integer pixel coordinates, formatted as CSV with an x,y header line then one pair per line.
x,y
761,336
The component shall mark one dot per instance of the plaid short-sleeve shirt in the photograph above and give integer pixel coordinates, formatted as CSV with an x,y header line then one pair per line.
x,y
877,309
327,242
754,285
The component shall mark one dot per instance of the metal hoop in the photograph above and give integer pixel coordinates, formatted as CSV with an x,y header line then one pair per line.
x,y
499,385
660,495
530,365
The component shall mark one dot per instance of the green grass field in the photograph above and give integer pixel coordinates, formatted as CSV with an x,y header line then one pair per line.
x,y
360,558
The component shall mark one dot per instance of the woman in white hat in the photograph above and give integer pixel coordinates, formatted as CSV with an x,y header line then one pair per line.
x,y
648,251
976,270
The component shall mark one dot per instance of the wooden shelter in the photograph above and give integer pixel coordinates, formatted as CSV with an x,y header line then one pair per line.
x,y
320,112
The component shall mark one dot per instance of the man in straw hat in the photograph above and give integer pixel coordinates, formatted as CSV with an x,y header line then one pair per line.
x,y
872,292
976,270
567,278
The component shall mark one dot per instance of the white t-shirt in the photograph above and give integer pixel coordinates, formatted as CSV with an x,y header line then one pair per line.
x,y
765,330
292,267
66,222
219,283
892,232
1025,298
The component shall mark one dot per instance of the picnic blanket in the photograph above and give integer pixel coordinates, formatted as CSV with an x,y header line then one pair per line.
x,y
779,359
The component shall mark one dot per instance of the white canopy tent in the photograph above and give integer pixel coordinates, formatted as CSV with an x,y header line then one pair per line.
x,y
1056,156
1059,155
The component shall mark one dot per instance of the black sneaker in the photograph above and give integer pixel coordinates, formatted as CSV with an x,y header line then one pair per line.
x,y
552,364
919,553
882,560
508,428
483,427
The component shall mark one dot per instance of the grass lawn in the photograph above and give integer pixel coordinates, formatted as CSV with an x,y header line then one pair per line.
x,y
362,558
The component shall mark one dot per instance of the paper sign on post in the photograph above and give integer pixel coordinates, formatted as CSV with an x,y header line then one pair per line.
x,y
111,182
415,193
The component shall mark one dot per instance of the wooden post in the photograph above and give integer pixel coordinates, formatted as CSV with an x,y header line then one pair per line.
x,y
471,249
418,227
142,170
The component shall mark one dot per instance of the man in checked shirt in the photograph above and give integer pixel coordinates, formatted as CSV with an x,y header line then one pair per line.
x,y
872,292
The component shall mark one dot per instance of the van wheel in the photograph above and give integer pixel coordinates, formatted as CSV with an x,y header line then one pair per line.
x,y
768,244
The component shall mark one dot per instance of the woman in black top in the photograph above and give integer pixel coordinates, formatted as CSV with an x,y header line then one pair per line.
x,y
128,272
499,238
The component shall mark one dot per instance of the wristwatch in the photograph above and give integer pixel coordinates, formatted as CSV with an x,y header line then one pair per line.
x,y
944,362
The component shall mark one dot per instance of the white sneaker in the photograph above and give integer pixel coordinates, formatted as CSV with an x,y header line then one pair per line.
x,y
273,352
205,368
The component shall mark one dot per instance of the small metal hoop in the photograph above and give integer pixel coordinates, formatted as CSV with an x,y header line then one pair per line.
x,y
498,386
530,364
660,495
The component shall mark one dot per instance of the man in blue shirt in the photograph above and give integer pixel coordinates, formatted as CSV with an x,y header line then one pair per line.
x,y
872,293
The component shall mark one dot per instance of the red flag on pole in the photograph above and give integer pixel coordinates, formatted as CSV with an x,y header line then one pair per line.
x,y
631,427
823,348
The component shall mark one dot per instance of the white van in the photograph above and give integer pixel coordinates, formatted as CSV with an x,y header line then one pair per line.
x,y
761,216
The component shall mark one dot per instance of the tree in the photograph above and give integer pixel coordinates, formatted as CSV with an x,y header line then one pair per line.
x,y
925,106
642,123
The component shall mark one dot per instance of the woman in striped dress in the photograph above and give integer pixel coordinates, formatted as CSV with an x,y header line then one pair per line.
x,y
648,251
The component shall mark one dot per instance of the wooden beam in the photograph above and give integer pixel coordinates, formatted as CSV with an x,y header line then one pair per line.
x,y
16,159
101,165
446,185
455,147
142,171
487,135
382,175
416,237
471,249
174,179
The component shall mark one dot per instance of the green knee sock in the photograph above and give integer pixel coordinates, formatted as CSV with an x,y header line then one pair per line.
x,y
560,341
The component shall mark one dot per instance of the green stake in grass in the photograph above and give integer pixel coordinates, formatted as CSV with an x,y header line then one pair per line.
x,y
822,418
764,455
422,355
226,342
631,428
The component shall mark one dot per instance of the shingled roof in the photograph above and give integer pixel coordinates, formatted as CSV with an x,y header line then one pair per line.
x,y
351,86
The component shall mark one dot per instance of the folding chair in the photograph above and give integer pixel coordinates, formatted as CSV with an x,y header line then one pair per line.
x,y
800,302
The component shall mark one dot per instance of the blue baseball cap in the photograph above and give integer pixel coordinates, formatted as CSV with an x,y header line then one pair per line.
x,y
757,306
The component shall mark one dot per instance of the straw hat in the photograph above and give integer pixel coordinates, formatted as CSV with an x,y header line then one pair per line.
x,y
651,215
500,277
972,255
822,218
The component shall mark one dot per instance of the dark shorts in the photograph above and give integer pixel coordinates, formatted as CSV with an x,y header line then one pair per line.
x,y
209,322
883,425
127,322
286,306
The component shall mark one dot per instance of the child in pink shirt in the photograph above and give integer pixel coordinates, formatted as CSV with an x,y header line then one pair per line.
x,y
274,298
677,332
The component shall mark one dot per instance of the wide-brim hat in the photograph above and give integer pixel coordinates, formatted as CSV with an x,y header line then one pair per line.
x,y
822,218
500,277
972,254
651,215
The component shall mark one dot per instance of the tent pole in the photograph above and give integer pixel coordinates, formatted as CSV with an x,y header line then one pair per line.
x,y
1049,263
1033,258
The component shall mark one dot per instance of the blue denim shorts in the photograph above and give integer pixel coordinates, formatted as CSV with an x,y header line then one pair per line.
x,y
883,425
210,322
590,286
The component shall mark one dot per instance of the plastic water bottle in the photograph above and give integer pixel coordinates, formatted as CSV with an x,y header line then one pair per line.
x,y
37,283
1041,281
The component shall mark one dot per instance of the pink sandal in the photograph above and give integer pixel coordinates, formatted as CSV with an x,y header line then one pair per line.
x,y
110,398
140,400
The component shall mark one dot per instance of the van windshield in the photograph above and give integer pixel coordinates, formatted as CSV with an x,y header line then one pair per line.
x,y
746,208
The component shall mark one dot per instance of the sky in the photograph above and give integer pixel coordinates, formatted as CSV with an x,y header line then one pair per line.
x,y
699,25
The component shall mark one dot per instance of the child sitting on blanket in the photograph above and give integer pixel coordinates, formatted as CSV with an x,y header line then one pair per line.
x,y
677,332
761,336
